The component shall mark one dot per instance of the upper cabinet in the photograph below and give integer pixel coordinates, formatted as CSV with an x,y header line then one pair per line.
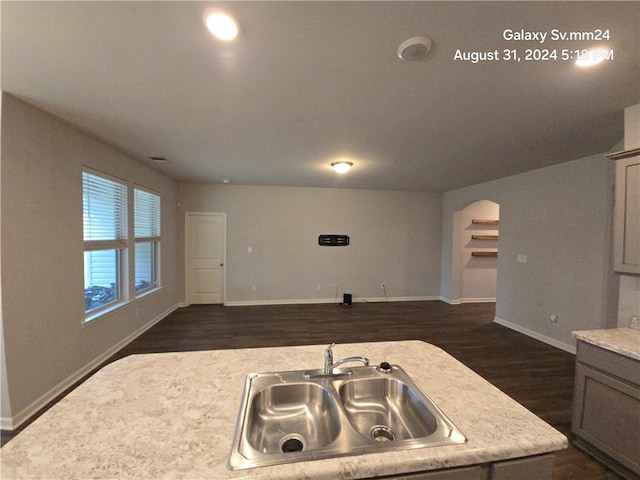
x,y
626,223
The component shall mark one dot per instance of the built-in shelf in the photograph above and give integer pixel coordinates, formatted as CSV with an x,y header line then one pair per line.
x,y
484,222
484,237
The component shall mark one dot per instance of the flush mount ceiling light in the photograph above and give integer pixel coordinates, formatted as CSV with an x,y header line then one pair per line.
x,y
594,56
342,167
415,49
221,25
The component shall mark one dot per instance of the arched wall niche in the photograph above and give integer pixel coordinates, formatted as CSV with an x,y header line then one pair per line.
x,y
473,275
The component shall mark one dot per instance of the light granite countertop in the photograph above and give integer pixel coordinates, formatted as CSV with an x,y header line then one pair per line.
x,y
172,415
625,341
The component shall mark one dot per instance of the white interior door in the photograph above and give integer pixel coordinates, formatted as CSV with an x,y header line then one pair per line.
x,y
205,241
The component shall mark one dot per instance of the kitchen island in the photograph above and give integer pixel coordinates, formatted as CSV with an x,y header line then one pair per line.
x,y
173,415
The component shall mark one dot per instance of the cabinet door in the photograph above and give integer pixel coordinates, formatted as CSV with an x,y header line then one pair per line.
x,y
540,468
627,216
607,414
466,473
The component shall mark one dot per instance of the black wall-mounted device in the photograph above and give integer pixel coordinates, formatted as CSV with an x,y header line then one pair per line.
x,y
325,240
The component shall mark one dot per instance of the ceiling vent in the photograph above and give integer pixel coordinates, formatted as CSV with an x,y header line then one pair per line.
x,y
415,49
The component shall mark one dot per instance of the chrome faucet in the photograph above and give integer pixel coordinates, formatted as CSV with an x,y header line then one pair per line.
x,y
328,360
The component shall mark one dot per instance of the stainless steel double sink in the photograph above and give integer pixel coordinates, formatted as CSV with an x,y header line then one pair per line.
x,y
303,415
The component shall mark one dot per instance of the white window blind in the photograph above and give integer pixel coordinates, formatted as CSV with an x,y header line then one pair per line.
x,y
103,208
146,214
146,222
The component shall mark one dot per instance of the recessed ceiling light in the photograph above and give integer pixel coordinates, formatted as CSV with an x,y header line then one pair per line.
x,y
589,58
342,167
414,49
222,25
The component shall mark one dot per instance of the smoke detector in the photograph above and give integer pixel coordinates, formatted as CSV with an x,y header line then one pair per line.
x,y
415,49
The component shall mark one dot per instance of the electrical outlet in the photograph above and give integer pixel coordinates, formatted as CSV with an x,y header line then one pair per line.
x,y
253,288
554,320
635,322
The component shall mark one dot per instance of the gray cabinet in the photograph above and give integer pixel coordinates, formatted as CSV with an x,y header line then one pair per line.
x,y
521,468
606,410
538,467
466,473
626,220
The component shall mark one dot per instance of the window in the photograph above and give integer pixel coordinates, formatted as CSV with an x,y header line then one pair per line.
x,y
147,239
121,242
104,207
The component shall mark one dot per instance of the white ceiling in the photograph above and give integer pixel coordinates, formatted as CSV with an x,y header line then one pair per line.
x,y
309,82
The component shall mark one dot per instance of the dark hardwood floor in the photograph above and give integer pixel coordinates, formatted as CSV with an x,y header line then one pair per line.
x,y
538,376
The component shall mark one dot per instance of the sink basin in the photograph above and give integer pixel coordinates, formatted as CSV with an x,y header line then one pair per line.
x,y
302,415
304,412
386,409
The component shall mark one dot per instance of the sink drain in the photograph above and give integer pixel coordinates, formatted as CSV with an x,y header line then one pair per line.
x,y
291,443
380,433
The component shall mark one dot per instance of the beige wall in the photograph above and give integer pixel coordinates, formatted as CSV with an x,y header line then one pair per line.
x,y
632,127
5,404
395,239
560,217
45,339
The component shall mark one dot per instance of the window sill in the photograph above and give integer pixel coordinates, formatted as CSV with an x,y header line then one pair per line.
x,y
146,293
91,318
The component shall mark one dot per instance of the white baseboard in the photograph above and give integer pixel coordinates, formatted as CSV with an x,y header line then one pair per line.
x,y
449,301
300,301
459,301
396,299
13,422
538,336
6,423
305,301
478,300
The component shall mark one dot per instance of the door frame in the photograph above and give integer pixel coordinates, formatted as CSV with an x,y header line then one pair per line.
x,y
187,258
